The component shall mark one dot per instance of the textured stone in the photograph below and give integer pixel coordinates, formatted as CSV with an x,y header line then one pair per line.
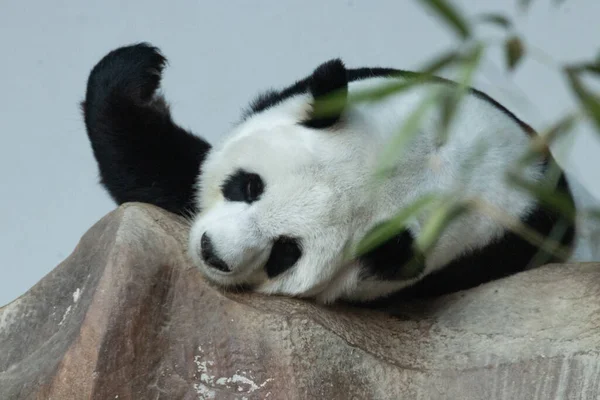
x,y
126,317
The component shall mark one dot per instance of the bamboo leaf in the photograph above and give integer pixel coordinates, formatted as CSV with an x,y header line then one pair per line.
x,y
438,63
592,67
408,79
524,5
594,214
546,194
450,101
448,105
472,160
333,103
541,143
450,16
514,50
562,127
495,19
590,101
516,226
388,229
550,247
437,223
330,104
405,135
413,268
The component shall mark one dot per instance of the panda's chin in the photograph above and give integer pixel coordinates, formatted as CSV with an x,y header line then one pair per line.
x,y
227,280
248,275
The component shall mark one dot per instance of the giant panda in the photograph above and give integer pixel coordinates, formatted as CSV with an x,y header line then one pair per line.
x,y
276,205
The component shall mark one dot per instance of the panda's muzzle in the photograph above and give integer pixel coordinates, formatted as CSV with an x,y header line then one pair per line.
x,y
209,256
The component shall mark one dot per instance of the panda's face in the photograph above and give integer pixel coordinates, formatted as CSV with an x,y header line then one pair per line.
x,y
275,208
284,198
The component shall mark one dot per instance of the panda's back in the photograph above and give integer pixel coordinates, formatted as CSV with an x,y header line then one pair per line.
x,y
482,145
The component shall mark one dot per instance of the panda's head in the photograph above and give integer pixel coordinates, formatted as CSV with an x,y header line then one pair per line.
x,y
276,195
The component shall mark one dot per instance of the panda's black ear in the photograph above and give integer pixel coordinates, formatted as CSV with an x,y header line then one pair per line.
x,y
328,86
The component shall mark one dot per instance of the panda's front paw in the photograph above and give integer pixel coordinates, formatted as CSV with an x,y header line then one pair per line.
x,y
131,72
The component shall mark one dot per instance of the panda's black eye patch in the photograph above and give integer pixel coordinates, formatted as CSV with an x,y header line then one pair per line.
x,y
286,251
243,186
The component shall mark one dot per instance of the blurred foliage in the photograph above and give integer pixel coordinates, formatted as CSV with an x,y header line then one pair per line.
x,y
466,58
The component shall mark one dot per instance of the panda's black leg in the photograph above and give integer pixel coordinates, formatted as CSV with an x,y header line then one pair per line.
x,y
141,153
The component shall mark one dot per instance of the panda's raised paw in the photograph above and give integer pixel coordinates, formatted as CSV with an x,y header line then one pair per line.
x,y
131,72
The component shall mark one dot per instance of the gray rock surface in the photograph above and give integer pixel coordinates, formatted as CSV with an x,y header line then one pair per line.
x,y
126,317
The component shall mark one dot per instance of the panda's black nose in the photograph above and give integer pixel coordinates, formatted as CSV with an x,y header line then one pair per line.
x,y
209,256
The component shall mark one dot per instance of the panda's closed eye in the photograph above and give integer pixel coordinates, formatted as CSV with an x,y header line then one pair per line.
x,y
243,186
285,253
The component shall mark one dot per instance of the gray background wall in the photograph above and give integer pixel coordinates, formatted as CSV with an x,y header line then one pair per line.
x,y
221,53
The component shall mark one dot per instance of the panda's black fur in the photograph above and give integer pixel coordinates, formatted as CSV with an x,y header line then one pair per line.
x,y
144,156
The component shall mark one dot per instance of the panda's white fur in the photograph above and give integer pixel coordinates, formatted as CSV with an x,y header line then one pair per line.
x,y
321,187
319,183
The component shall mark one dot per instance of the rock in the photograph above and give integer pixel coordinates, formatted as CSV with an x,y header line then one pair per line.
x,y
126,317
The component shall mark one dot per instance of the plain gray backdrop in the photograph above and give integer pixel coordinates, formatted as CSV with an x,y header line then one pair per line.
x,y
221,53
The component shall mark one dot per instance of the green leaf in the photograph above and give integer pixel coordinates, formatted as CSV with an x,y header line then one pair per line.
x,y
388,229
438,63
451,16
380,92
524,5
413,268
405,135
495,19
448,105
594,214
519,228
333,103
562,127
436,224
514,50
545,194
542,142
452,97
330,104
551,246
407,81
472,160
592,67
410,127
590,101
